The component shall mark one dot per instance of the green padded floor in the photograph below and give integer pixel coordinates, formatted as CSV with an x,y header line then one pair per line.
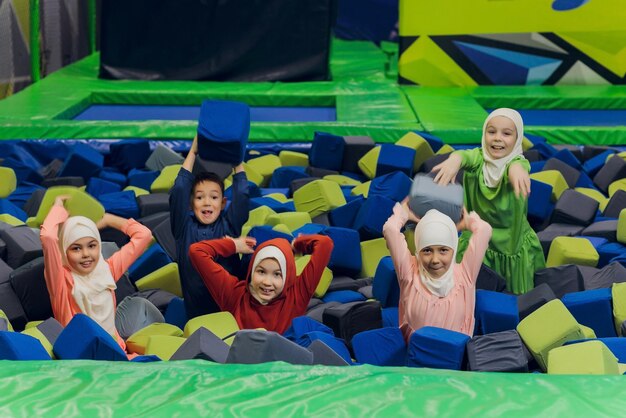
x,y
200,388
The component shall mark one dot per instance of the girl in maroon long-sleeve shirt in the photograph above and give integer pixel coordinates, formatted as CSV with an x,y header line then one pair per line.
x,y
273,294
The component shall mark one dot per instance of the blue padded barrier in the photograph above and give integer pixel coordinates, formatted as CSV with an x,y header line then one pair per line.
x,y
437,348
592,308
380,347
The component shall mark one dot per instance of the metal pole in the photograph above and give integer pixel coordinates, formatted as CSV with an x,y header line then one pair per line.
x,y
35,33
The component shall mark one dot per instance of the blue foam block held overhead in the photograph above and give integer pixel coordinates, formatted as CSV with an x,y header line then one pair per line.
x,y
223,129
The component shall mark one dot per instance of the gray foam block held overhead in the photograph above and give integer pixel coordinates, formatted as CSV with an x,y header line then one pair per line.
x,y
425,194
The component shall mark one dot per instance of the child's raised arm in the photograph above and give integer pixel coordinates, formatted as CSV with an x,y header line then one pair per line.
x,y
447,170
54,271
219,282
140,237
191,157
396,242
478,243
237,213
320,247
519,179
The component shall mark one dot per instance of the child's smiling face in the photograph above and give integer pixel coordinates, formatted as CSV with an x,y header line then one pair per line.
x,y
500,137
83,255
207,202
267,282
436,259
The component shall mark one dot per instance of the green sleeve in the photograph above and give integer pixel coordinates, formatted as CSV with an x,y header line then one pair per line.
x,y
470,159
522,161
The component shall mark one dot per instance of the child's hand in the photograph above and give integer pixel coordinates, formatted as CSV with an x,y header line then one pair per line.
x,y
412,216
60,199
447,170
462,224
244,245
520,180
239,168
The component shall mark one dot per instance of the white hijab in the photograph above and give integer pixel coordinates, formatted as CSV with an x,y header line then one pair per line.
x,y
494,169
91,292
435,228
274,252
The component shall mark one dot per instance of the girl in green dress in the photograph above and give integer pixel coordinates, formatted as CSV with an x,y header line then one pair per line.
x,y
497,184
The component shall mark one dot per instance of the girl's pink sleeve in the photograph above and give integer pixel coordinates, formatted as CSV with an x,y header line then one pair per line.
x,y
396,242
140,237
54,272
478,243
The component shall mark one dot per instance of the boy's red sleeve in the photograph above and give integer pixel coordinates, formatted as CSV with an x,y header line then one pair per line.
x,y
219,282
320,247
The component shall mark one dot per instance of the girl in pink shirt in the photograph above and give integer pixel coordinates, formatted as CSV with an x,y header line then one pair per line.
x,y
434,290
78,277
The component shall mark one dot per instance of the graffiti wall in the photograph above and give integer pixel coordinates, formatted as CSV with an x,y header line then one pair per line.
x,y
512,42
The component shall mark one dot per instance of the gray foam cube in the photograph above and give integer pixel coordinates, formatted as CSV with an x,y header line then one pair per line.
x,y
425,195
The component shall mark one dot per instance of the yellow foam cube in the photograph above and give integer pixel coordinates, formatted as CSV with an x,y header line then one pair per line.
x,y
293,220
362,189
372,251
572,250
221,324
589,357
265,166
165,181
137,342
166,278
8,181
368,162
292,158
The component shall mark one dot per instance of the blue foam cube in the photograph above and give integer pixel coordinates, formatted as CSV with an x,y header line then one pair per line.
x,y
380,347
385,286
327,151
437,348
592,308
495,311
